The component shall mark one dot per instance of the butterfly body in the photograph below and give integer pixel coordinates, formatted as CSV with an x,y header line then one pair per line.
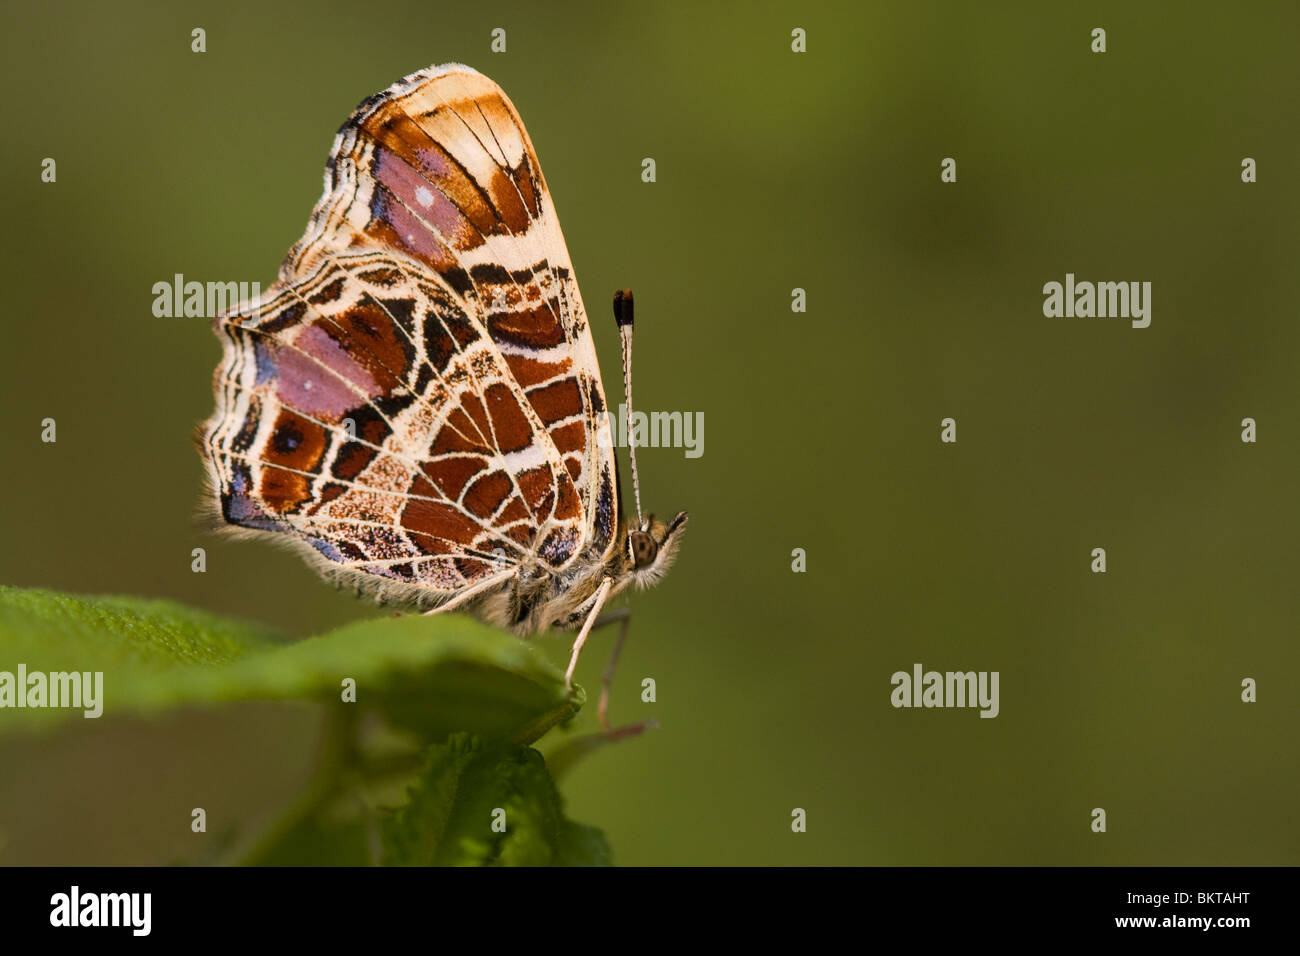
x,y
415,404
539,600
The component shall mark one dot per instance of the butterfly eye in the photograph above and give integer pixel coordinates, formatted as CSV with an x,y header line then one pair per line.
x,y
641,548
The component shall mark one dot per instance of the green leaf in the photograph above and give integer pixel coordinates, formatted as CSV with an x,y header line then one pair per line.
x,y
477,804
484,693
314,840
432,675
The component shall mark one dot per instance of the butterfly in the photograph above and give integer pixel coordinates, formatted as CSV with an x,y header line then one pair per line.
x,y
415,404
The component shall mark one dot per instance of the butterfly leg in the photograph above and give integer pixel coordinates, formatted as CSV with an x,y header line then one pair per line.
x,y
622,617
486,584
597,603
569,753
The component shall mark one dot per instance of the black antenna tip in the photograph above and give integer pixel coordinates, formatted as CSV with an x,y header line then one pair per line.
x,y
623,307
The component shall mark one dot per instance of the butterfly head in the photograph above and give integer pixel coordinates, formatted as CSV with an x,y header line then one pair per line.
x,y
650,548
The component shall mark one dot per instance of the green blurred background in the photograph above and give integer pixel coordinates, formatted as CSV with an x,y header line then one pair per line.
x,y
775,170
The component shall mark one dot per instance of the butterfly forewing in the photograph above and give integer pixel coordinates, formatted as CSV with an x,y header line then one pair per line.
x,y
417,397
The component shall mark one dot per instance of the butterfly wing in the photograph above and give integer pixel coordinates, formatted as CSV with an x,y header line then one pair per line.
x,y
417,398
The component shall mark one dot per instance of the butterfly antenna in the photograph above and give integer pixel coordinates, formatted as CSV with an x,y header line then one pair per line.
x,y
623,316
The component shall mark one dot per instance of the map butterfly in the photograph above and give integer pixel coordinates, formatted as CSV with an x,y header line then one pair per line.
x,y
415,404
